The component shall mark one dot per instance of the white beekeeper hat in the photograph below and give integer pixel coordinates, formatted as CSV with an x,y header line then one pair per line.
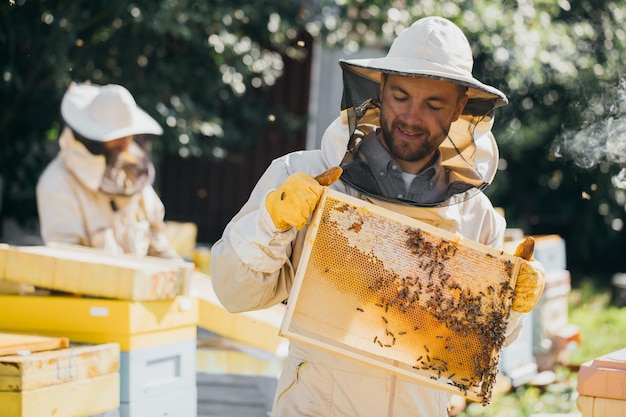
x,y
105,112
431,47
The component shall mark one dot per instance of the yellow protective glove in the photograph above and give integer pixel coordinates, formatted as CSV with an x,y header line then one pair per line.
x,y
292,203
529,285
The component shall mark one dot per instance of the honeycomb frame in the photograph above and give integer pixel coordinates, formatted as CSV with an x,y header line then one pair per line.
x,y
401,295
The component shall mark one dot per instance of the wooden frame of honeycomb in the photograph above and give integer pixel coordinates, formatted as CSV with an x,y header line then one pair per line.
x,y
402,295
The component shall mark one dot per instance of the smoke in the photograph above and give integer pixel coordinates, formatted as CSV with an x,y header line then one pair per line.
x,y
602,137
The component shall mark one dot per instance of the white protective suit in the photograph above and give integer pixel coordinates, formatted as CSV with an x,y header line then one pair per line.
x,y
72,208
253,267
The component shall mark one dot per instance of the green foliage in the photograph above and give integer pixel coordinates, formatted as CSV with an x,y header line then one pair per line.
x,y
528,400
202,68
602,325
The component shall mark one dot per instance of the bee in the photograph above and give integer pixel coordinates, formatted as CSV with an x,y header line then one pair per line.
x,y
360,309
509,268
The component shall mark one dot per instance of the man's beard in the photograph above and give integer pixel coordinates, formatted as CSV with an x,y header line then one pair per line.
x,y
409,151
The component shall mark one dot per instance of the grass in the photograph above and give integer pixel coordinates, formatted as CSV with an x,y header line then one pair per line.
x,y
602,325
602,328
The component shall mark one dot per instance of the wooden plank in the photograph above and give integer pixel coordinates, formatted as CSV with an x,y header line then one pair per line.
x,y
42,369
13,343
399,294
87,271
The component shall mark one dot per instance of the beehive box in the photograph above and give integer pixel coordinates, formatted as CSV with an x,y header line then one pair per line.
x,y
40,383
25,372
402,295
86,397
179,403
92,272
132,324
258,329
151,372
600,407
604,377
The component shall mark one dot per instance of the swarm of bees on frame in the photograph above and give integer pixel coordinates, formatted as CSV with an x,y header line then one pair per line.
x,y
462,310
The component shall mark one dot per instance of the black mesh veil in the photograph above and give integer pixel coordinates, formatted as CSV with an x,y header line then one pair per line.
x,y
468,143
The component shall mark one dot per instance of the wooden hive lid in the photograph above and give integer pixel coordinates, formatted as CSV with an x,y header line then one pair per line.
x,y
604,377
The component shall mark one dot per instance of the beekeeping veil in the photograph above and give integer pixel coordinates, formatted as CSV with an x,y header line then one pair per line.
x,y
436,48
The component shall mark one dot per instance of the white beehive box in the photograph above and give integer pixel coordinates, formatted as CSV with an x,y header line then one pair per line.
x,y
401,295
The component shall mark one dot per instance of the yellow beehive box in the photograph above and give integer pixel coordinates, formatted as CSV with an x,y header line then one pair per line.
x,y
84,397
402,295
4,249
87,271
227,360
27,372
132,324
258,329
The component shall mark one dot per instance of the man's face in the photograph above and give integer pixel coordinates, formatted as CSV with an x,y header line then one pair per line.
x,y
415,116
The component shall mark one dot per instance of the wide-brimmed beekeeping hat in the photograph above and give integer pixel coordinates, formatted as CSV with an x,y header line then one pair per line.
x,y
105,112
431,47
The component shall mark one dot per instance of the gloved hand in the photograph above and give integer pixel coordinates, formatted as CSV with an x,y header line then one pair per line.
x,y
292,203
529,284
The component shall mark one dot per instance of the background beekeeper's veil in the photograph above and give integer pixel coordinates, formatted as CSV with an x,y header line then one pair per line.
x,y
432,47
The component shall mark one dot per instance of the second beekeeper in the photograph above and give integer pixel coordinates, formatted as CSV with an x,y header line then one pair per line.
x,y
97,191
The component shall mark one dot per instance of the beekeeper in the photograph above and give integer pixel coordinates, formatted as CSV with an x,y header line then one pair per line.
x,y
97,191
415,137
